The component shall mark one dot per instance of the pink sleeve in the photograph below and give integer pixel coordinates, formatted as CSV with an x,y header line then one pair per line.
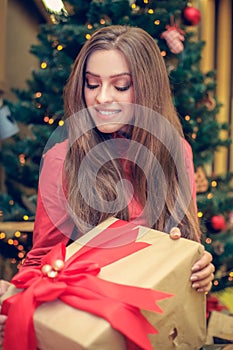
x,y
190,168
52,222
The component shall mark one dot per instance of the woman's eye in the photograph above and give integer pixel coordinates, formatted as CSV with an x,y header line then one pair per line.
x,y
123,88
91,86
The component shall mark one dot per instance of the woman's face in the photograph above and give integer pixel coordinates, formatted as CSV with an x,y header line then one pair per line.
x,y
108,90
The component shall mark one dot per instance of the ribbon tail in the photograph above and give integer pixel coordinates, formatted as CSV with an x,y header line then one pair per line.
x,y
143,298
126,319
134,326
19,333
131,345
119,304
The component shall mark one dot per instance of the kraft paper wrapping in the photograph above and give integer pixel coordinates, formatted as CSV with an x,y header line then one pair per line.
x,y
220,325
165,265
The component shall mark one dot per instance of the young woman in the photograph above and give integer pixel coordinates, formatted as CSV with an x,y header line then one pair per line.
x,y
125,154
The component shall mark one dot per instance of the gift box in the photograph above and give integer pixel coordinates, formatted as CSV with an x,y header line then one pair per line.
x,y
220,326
138,257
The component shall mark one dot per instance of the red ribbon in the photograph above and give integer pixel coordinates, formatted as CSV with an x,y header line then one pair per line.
x,y
78,285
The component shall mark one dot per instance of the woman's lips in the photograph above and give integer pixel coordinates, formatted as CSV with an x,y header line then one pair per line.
x,y
107,113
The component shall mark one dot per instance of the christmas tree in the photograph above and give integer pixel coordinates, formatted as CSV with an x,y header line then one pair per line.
x,y
40,108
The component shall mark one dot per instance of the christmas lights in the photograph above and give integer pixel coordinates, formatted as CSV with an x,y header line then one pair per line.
x,y
55,6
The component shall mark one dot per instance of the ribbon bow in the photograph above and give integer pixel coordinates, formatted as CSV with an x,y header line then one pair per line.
x,y
76,282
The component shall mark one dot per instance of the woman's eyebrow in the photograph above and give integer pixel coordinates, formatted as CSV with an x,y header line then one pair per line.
x,y
111,76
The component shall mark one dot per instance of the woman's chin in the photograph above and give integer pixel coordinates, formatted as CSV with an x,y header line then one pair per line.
x,y
109,128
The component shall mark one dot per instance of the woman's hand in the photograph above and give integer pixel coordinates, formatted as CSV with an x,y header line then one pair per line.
x,y
4,285
202,271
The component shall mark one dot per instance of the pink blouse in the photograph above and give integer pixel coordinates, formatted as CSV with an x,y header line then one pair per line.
x,y
53,223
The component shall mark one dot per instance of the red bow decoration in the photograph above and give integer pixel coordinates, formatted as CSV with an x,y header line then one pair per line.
x,y
174,26
76,282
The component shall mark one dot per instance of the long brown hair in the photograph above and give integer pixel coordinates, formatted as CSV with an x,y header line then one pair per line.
x,y
152,96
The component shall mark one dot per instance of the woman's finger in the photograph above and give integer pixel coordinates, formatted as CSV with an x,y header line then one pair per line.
x,y
201,283
205,289
206,272
2,321
204,261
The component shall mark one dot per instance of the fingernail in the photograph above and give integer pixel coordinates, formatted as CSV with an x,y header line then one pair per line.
x,y
175,233
195,285
193,278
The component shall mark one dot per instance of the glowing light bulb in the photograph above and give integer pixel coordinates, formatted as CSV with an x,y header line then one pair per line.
x,y
17,234
43,65
55,6
21,255
22,159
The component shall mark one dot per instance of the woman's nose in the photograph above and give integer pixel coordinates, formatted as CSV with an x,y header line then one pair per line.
x,y
104,95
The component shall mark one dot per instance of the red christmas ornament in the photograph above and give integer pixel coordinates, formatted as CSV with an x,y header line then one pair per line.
x,y
218,222
191,16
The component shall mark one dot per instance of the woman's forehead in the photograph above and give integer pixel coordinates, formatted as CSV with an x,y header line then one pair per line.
x,y
107,63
